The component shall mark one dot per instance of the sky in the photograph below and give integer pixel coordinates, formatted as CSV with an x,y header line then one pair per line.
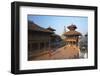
x,y
59,22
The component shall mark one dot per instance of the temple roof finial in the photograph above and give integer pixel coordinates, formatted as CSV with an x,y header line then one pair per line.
x,y
72,27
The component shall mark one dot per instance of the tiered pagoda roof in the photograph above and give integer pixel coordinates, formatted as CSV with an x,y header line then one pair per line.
x,y
72,33
72,30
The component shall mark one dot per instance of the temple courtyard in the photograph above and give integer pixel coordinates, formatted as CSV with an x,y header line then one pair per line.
x,y
65,52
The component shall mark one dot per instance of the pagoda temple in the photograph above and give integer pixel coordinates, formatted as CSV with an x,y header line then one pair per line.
x,y
72,36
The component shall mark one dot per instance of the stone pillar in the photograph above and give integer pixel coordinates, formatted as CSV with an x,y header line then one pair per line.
x,y
38,46
30,46
49,43
45,46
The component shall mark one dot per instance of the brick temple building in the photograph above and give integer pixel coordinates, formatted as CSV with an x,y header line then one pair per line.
x,y
40,39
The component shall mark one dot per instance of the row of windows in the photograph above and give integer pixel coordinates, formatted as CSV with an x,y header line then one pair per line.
x,y
37,46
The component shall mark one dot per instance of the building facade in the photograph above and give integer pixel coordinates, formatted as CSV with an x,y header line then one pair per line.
x,y
41,39
38,37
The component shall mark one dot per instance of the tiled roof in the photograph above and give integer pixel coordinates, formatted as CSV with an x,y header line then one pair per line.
x,y
51,29
34,27
72,26
72,33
